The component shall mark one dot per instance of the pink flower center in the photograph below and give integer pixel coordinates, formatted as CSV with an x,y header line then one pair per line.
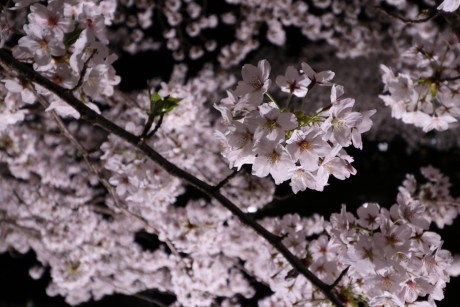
x,y
257,84
53,21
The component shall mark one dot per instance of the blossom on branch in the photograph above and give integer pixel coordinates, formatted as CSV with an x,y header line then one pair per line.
x,y
255,82
309,146
128,191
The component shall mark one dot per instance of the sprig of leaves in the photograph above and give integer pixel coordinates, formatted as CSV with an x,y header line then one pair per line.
x,y
158,108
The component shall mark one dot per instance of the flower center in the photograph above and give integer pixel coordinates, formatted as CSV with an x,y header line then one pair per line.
x,y
274,157
292,86
368,254
43,44
271,124
305,146
53,21
247,137
337,122
257,84
57,80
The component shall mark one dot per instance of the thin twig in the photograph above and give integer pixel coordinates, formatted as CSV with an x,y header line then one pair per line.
x,y
431,15
83,72
150,300
87,114
172,248
31,231
157,126
449,79
91,165
147,126
218,186
284,197
336,282
79,147
138,295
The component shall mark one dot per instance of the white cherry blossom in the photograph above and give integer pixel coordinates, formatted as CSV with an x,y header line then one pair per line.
x,y
307,146
293,83
255,82
275,161
449,5
320,78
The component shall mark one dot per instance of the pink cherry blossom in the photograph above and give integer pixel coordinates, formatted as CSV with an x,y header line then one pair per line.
x,y
449,5
308,146
255,82
321,78
275,161
293,83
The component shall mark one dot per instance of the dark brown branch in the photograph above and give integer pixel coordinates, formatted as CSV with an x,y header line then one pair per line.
x,y
87,114
449,79
66,133
432,14
336,282
95,169
83,72
157,126
224,181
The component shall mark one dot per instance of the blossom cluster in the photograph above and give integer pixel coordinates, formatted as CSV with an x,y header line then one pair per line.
x,y
426,94
284,141
88,238
383,257
433,193
392,258
66,42
86,205
191,30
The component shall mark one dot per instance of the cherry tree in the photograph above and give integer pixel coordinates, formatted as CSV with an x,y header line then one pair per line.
x,y
251,98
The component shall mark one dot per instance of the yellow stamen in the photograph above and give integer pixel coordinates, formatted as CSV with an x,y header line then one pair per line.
x,y
305,146
271,124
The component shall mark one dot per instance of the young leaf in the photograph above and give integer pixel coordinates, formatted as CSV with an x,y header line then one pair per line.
x,y
71,38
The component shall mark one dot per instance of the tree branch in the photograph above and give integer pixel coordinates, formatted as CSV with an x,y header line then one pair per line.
x,y
157,126
224,181
83,72
28,74
449,79
79,147
336,282
432,14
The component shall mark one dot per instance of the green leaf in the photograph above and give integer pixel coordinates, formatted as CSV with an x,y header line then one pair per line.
x,y
71,38
433,89
308,120
155,97
160,106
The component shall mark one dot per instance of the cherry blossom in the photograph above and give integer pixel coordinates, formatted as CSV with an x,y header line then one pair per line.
x,y
293,83
255,82
307,153
307,146
449,5
270,123
39,45
321,78
274,161
91,171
